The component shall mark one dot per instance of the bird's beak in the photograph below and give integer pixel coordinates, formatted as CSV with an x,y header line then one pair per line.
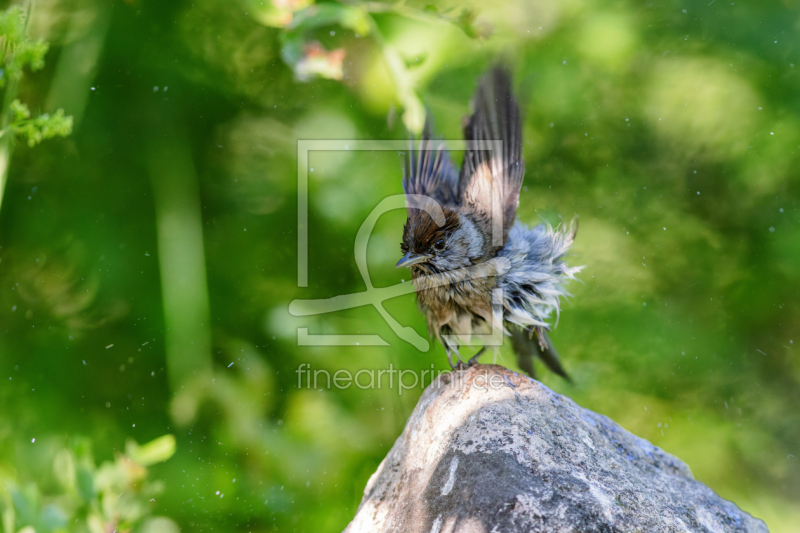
x,y
411,259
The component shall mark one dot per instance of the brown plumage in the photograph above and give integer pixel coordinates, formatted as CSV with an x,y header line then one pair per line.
x,y
458,266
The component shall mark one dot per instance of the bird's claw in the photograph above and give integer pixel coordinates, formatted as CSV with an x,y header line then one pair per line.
x,y
474,359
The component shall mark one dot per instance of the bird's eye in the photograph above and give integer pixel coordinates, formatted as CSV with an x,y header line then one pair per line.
x,y
439,245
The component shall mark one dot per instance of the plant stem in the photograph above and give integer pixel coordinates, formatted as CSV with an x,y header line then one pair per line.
x,y
6,145
5,156
401,78
181,259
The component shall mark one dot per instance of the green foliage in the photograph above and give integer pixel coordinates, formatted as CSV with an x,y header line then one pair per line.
x,y
78,496
155,451
39,128
302,20
18,52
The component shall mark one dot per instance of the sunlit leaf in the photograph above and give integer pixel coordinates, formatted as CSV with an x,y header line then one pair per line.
x,y
159,524
347,16
276,13
95,523
155,451
417,61
467,21
413,113
18,111
12,24
64,469
8,516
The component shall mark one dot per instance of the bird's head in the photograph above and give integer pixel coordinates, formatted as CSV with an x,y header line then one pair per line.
x,y
429,247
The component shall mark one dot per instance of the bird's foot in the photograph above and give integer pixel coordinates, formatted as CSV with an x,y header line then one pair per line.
x,y
460,366
474,359
450,360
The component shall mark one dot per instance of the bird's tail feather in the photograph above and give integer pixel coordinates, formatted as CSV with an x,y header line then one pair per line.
x,y
530,343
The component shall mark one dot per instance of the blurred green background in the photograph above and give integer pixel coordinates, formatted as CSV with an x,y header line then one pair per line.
x,y
147,260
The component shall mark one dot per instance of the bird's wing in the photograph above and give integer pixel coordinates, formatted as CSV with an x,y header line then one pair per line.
x,y
493,168
429,170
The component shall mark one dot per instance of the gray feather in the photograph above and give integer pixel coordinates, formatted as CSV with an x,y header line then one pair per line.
x,y
429,170
534,284
491,179
532,289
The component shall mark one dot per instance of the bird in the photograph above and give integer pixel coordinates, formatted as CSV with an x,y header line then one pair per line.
x,y
460,258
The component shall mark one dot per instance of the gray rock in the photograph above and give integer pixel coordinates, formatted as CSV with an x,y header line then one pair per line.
x,y
489,450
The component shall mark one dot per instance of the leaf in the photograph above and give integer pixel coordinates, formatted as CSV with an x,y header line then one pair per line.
x,y
292,49
19,51
12,24
64,469
413,113
53,518
276,13
18,111
26,503
155,451
95,523
39,128
317,15
85,483
417,61
159,524
8,519
467,21
31,53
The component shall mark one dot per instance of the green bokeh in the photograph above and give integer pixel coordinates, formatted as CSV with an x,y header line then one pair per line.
x,y
672,129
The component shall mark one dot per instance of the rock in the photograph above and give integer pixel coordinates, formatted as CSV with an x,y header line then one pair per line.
x,y
490,450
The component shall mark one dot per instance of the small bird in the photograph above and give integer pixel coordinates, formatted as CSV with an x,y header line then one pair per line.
x,y
458,264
